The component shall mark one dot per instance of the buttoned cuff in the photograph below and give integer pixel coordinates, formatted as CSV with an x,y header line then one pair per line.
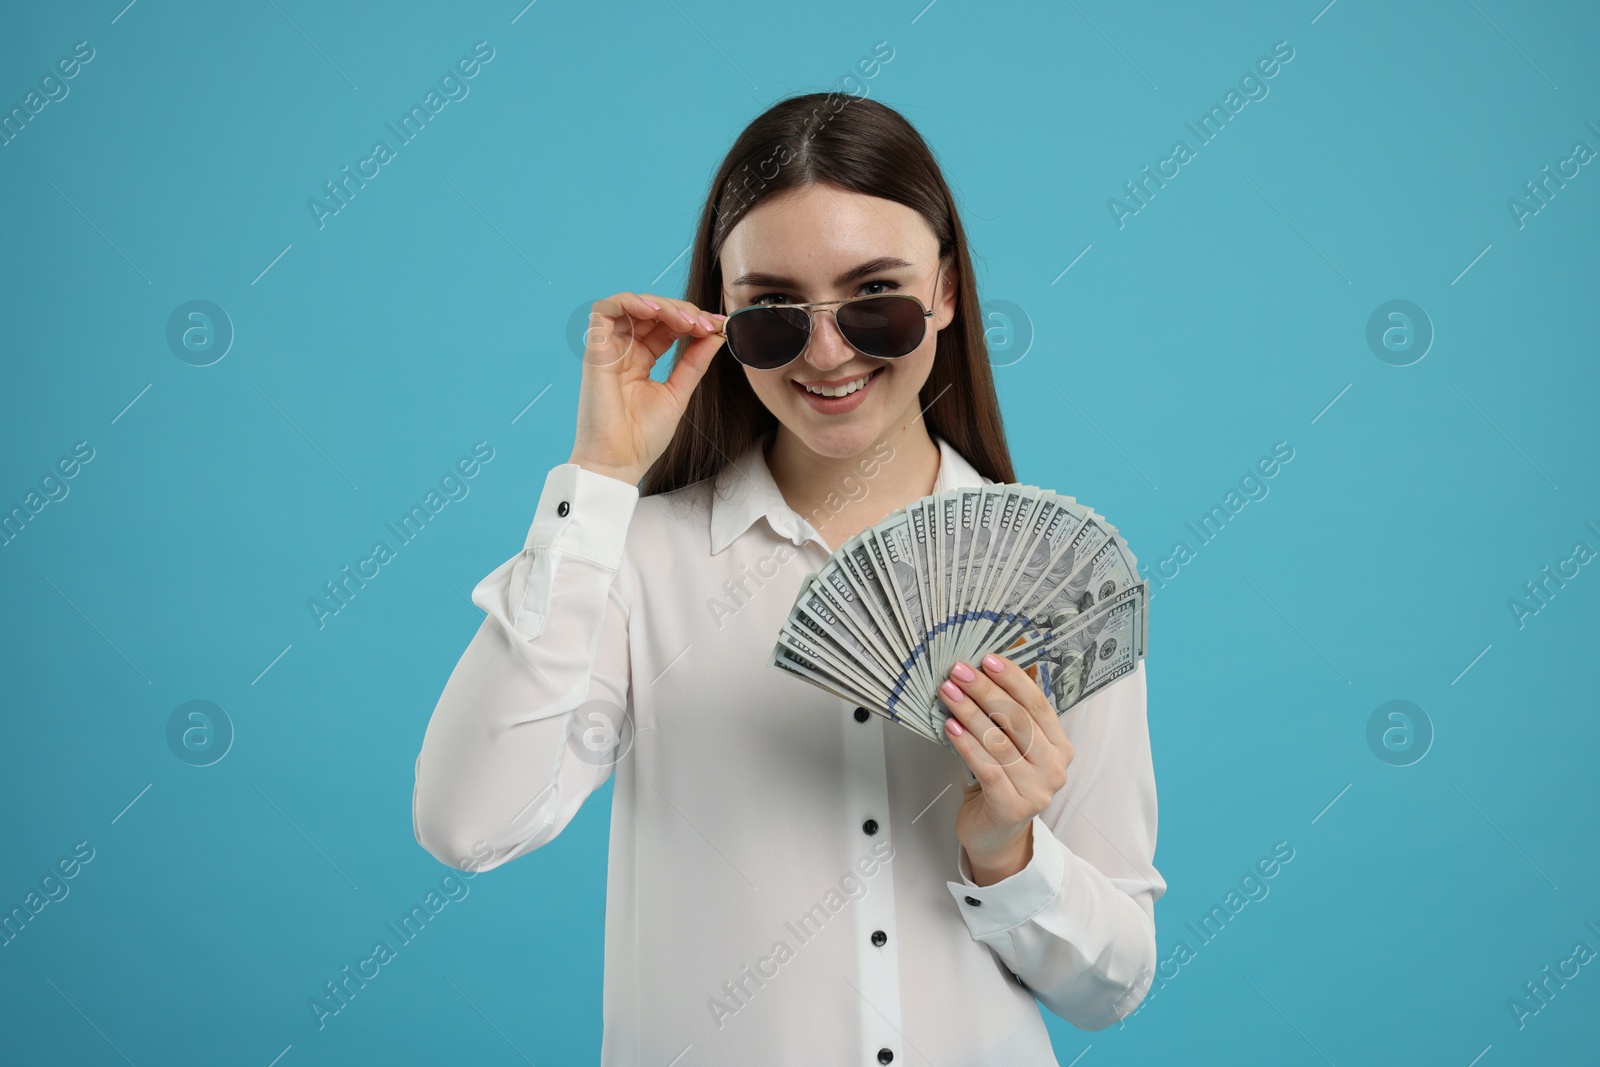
x,y
584,514
992,910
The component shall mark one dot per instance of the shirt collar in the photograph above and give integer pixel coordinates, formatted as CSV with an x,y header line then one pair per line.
x,y
745,491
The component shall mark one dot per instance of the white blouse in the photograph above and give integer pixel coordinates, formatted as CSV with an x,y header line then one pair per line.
x,y
785,884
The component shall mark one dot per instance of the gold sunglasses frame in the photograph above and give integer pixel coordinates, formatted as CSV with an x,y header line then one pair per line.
x,y
811,310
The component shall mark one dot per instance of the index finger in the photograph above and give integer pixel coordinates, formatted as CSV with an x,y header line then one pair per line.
x,y
690,318
1025,690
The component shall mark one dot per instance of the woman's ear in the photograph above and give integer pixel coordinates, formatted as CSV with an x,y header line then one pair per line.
x,y
949,282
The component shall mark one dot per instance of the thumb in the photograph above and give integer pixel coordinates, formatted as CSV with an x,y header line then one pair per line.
x,y
691,367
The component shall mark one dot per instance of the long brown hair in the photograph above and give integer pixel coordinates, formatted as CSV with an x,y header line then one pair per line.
x,y
861,146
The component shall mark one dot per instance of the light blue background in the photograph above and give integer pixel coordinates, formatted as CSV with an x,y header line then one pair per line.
x,y
1227,315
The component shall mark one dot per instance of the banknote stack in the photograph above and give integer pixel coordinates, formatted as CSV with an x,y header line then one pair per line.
x,y
1013,569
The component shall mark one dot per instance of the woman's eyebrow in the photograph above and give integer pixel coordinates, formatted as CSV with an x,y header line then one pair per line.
x,y
872,266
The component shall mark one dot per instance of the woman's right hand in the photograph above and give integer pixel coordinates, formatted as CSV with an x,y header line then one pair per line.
x,y
625,417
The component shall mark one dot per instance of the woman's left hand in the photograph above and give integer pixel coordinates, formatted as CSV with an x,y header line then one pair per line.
x,y
1006,730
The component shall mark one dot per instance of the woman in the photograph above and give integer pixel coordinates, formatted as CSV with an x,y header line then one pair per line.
x,y
793,879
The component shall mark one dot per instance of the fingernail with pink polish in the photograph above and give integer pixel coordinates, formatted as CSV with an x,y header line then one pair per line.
x,y
953,691
962,672
992,663
955,727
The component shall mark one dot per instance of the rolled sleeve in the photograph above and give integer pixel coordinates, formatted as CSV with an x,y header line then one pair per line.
x,y
993,910
581,515
498,774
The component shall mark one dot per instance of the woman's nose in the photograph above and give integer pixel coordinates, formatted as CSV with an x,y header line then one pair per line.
x,y
827,348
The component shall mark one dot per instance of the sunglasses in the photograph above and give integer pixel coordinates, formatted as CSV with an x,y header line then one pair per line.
x,y
769,336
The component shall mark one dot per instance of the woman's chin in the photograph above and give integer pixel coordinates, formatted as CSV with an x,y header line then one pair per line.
x,y
840,442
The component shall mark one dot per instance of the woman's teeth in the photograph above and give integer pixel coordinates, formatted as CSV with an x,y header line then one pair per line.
x,y
840,390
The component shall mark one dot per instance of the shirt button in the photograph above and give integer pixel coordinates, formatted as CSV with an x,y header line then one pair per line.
x,y
879,938
862,715
974,901
562,509
885,1055
870,827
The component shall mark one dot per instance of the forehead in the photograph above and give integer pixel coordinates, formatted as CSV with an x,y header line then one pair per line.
x,y
813,233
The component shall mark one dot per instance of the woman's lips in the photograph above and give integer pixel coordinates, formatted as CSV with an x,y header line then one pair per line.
x,y
838,405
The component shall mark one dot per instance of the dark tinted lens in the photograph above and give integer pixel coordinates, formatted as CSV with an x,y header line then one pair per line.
x,y
766,337
885,326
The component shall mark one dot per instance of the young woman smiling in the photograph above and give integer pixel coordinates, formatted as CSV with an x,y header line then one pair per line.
x,y
741,793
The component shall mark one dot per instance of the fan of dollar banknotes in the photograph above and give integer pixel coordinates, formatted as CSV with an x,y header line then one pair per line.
x,y
1016,570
